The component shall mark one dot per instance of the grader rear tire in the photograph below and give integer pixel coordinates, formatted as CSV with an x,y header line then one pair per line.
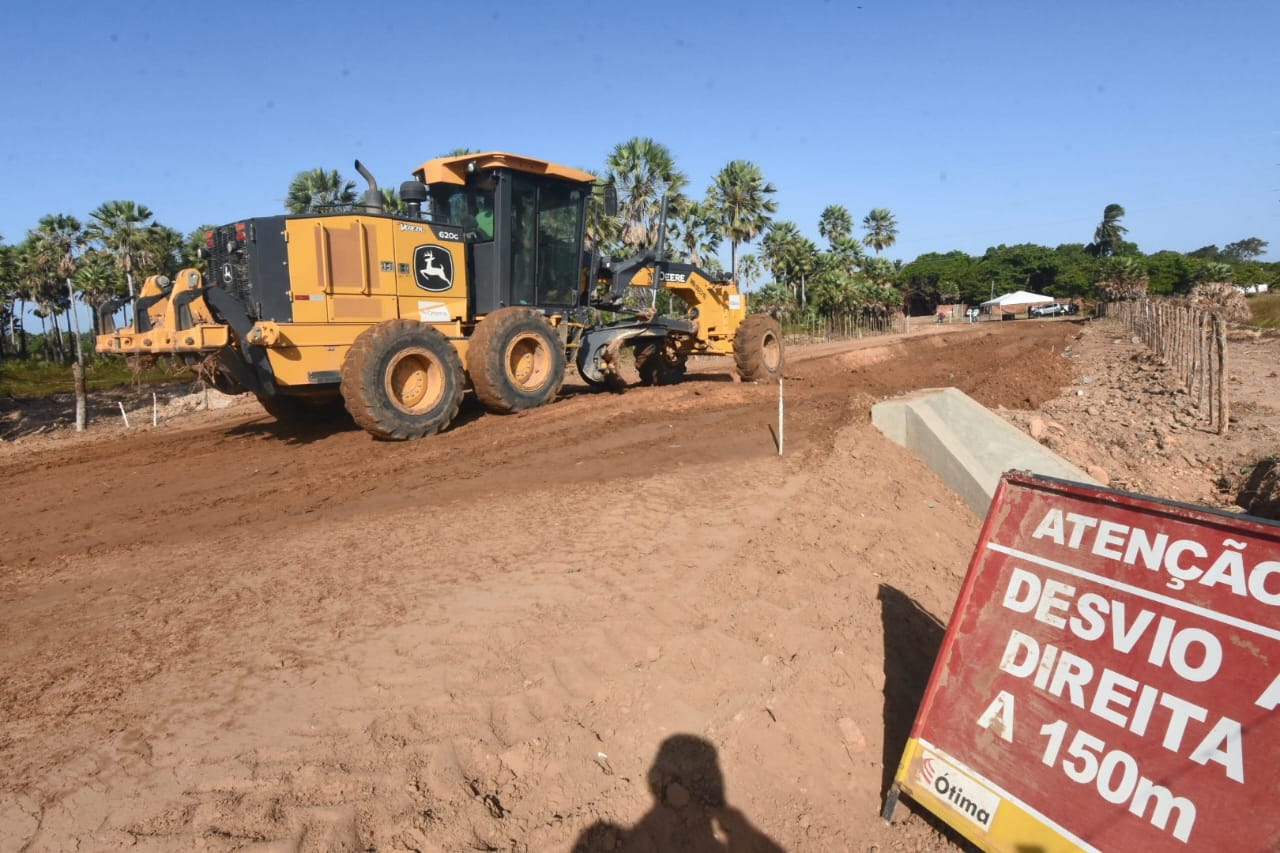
x,y
758,350
515,360
401,380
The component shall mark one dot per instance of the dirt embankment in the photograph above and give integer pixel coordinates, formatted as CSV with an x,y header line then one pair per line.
x,y
613,617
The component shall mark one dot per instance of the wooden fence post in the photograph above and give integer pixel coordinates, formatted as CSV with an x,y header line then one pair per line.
x,y
1220,333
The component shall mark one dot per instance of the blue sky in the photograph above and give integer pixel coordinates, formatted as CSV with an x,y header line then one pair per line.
x,y
975,123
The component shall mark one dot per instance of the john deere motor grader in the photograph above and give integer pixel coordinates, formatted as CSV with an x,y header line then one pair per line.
x,y
481,285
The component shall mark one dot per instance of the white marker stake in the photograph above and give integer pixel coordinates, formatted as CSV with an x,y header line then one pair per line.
x,y
779,415
153,408
123,415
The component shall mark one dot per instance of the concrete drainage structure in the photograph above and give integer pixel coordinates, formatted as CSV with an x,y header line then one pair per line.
x,y
966,444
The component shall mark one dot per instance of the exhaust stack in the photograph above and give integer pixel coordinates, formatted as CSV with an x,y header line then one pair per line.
x,y
372,196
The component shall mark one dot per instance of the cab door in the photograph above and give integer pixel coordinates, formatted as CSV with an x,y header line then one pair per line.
x,y
545,242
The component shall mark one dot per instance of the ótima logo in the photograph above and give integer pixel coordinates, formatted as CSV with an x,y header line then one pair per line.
x,y
433,268
959,790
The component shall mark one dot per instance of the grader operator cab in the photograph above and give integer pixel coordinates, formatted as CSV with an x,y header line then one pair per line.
x,y
482,284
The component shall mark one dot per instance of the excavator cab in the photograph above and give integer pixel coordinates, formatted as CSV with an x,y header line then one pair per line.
x,y
522,221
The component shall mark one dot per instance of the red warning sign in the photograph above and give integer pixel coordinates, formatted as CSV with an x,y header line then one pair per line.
x,y
1110,679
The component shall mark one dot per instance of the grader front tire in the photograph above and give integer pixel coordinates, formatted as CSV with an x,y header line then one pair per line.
x,y
515,360
655,367
758,350
401,380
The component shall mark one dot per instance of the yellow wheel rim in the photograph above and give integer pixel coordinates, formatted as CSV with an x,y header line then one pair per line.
x,y
415,380
771,351
528,362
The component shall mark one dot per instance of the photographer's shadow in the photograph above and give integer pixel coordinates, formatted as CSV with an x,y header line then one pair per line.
x,y
689,812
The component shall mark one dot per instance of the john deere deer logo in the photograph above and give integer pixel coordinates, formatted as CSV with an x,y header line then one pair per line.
x,y
433,268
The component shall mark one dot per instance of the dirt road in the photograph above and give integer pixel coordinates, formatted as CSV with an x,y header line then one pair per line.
x,y
222,635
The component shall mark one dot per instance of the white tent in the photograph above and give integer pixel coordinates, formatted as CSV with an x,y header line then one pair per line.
x,y
1018,297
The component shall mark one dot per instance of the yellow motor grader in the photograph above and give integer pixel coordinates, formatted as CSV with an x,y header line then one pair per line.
x,y
482,285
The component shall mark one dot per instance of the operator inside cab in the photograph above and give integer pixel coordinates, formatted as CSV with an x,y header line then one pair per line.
x,y
484,215
522,228
470,206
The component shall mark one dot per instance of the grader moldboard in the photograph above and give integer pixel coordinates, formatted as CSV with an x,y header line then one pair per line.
x,y
482,283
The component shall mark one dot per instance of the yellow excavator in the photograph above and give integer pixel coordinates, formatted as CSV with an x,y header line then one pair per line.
x,y
482,284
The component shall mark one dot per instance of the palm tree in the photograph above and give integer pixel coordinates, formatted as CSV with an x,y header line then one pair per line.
x,y
739,197
749,269
645,173
1109,234
55,241
1212,271
98,279
774,299
835,223
602,231
391,201
882,229
790,256
120,227
318,191
848,253
9,291
880,271
161,251
25,277
773,248
189,252
1121,278
695,231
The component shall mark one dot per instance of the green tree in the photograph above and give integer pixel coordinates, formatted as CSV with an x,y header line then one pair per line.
x,y
9,316
789,255
881,228
26,277
319,191
1245,250
928,277
1025,266
1212,271
774,246
693,230
644,171
749,270
1168,272
391,201
1121,277
602,230
1076,270
56,241
848,253
835,224
98,279
774,298
1206,253
1109,234
189,252
880,271
120,229
741,201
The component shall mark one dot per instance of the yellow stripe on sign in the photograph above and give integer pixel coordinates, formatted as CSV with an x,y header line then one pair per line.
x,y
982,812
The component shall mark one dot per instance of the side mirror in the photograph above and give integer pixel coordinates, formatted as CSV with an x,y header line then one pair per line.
x,y
610,200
